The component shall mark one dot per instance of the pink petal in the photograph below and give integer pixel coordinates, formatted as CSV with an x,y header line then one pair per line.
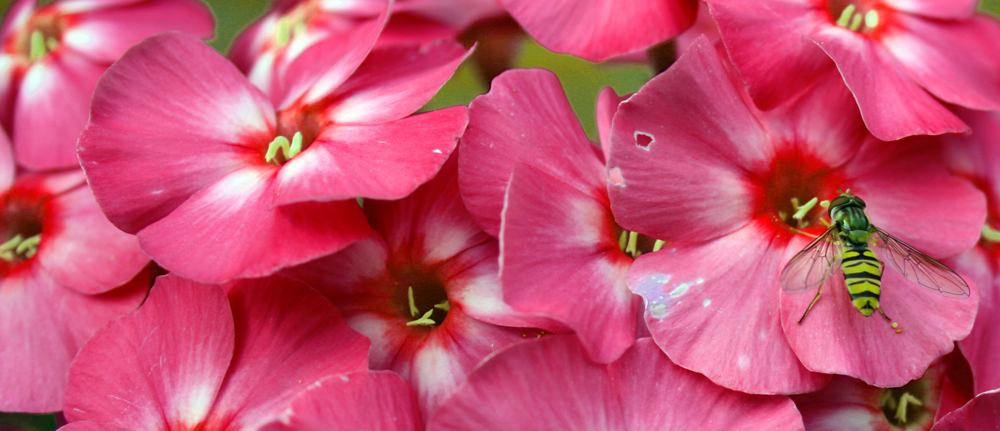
x,y
904,184
105,34
52,108
82,249
17,15
974,156
7,165
981,413
288,338
519,101
549,384
600,29
42,326
169,118
159,367
882,88
442,361
359,400
77,6
91,426
836,338
953,9
378,161
789,65
969,76
231,229
704,25
315,71
982,347
406,28
689,289
607,105
459,14
561,259
394,81
688,127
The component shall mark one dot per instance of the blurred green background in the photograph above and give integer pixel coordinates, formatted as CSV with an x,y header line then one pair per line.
x,y
581,79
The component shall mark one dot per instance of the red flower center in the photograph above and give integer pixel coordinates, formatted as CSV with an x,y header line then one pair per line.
x,y
20,229
40,36
793,181
305,121
420,293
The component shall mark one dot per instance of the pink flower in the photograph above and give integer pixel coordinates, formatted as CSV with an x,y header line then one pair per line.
x,y
550,384
976,156
424,289
847,404
219,183
428,20
532,178
699,166
197,357
53,55
600,29
65,271
896,56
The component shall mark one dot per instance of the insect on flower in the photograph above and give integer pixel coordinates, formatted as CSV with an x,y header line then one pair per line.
x,y
861,250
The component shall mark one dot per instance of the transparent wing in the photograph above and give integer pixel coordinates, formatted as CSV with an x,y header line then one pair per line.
x,y
919,267
810,268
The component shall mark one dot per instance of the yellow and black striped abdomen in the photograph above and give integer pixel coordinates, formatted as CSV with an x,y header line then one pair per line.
x,y
863,275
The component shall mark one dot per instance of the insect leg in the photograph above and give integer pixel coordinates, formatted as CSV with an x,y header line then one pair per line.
x,y
883,314
811,304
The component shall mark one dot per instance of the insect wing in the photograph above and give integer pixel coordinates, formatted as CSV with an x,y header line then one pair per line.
x,y
919,267
812,266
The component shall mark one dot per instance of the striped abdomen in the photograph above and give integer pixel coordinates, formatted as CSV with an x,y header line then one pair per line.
x,y
863,275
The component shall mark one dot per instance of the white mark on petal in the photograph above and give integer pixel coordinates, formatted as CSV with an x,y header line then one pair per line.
x,y
743,362
706,302
615,177
436,151
651,291
680,290
658,311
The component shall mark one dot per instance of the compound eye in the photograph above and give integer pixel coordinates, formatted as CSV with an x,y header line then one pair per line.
x,y
858,200
839,201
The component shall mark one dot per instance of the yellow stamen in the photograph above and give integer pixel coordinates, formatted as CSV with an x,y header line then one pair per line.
x,y
288,150
630,248
413,305
845,16
658,244
904,401
871,19
283,34
424,320
855,22
990,234
444,305
801,211
37,49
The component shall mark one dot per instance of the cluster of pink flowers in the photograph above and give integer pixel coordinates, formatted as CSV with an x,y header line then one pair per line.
x,y
279,240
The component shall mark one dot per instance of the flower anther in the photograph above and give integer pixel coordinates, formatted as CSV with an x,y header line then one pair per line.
x,y
853,16
287,150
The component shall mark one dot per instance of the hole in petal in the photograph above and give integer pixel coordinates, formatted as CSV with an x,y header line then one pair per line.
x,y
644,140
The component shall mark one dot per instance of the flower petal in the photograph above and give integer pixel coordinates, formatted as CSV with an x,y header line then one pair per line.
x,y
7,166
105,34
688,128
42,326
607,105
982,346
52,108
883,89
498,138
314,71
231,229
836,338
549,384
561,259
378,161
288,338
82,249
394,82
954,9
717,313
158,367
904,185
981,413
789,65
359,400
600,29
926,49
17,15
168,119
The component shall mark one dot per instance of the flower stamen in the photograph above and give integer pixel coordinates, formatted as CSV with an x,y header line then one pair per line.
x,y
288,150
19,246
990,234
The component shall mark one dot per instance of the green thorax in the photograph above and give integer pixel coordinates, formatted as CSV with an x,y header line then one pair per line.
x,y
848,215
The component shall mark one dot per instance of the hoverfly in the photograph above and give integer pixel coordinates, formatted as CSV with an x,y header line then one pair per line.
x,y
849,242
